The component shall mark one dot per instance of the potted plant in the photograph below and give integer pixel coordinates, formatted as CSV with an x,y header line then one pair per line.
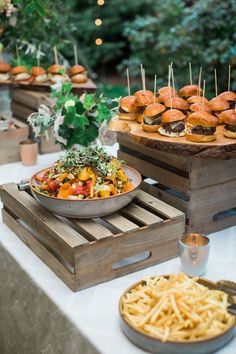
x,y
72,120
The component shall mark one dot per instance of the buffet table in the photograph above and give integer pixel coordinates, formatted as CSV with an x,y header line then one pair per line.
x,y
39,314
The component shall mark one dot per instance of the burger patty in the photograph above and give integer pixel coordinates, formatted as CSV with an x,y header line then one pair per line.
x,y
141,109
201,130
231,128
231,104
121,110
174,127
155,120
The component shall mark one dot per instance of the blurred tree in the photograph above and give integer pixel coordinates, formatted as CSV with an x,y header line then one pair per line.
x,y
202,32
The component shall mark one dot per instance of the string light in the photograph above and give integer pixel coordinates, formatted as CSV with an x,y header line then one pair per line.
x,y
98,22
98,41
101,2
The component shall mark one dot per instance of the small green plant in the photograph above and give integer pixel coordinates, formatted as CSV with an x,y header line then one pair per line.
x,y
72,120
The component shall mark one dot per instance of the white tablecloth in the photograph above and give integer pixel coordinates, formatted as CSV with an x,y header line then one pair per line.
x,y
94,311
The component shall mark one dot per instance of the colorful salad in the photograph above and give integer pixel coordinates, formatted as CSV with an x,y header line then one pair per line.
x,y
84,173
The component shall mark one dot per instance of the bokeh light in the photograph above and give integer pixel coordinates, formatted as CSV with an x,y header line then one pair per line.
x,y
98,22
98,41
101,2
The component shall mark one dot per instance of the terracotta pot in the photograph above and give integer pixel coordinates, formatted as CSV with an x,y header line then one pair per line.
x,y
29,152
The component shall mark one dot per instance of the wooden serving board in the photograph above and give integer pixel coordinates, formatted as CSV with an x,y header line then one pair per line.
x,y
222,147
87,252
46,86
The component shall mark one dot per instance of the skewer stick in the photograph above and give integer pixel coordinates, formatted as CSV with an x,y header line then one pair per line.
x,y
203,93
169,74
1,50
55,55
155,89
128,82
141,69
75,55
144,80
38,55
190,73
199,81
229,77
173,80
17,55
170,97
216,89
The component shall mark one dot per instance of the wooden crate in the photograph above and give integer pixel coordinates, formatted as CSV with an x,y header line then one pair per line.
x,y
47,147
10,140
204,189
87,252
30,99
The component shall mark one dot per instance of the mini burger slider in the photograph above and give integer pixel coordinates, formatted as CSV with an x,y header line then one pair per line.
x,y
20,73
230,97
57,73
143,99
190,90
152,117
128,108
172,123
177,103
39,74
229,120
218,105
78,74
5,70
201,127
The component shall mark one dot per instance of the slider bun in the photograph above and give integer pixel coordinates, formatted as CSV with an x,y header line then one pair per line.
x,y
41,78
154,109
189,90
144,98
80,78
128,103
22,77
202,118
19,70
76,69
58,78
177,102
172,115
197,99
229,134
218,104
4,67
198,138
150,128
55,69
37,70
228,117
139,118
128,116
195,107
228,96
166,91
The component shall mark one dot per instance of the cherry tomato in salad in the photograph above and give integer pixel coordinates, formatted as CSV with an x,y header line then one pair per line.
x,y
53,184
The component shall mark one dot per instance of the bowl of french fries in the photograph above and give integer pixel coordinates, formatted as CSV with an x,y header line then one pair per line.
x,y
177,314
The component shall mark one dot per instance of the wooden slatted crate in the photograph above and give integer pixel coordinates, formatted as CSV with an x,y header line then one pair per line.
x,y
87,252
10,140
204,189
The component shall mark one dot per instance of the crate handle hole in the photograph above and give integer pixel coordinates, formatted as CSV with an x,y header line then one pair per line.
x,y
142,256
224,214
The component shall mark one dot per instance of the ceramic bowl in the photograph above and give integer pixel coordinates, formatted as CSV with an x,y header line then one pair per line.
x,y
88,208
156,346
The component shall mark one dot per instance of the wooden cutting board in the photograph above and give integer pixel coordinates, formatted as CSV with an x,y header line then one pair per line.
x,y
222,147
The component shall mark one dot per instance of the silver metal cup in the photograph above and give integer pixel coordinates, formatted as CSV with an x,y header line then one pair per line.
x,y
194,253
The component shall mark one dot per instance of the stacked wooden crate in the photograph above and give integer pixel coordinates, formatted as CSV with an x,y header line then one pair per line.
x,y
25,102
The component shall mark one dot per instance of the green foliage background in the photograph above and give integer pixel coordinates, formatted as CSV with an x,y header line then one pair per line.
x,y
152,32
